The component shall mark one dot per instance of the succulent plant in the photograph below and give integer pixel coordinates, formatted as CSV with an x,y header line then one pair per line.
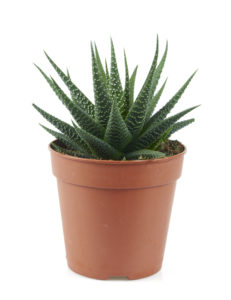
x,y
116,126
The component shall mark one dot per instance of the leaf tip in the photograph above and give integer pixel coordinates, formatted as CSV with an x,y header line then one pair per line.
x,y
157,40
46,54
42,126
92,49
195,71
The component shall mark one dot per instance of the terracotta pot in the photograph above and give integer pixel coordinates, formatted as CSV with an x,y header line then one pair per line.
x,y
115,214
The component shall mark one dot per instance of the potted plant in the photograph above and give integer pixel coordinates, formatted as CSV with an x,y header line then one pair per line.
x,y
116,169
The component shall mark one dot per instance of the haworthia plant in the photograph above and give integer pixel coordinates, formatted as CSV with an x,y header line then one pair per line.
x,y
77,96
117,126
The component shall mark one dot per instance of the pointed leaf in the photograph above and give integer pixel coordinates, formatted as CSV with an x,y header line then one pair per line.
x,y
136,116
117,134
100,148
63,127
162,139
99,64
78,97
131,87
154,100
116,90
71,144
59,124
107,75
72,152
179,125
165,110
157,73
144,154
149,78
153,133
125,98
68,74
81,117
102,100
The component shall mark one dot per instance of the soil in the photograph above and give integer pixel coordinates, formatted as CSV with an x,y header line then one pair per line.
x,y
168,147
171,147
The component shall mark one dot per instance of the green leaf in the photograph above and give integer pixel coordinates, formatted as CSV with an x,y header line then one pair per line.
x,y
71,144
107,75
81,117
125,98
68,74
153,133
63,127
102,100
131,87
117,133
144,154
165,110
179,125
162,139
99,64
116,90
78,97
72,152
148,81
100,148
136,116
59,124
154,100
157,73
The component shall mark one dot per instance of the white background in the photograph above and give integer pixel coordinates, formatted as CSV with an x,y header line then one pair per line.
x,y
197,261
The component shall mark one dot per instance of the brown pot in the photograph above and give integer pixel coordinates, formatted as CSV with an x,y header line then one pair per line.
x,y
115,214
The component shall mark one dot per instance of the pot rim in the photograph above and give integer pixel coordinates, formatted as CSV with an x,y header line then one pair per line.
x,y
117,162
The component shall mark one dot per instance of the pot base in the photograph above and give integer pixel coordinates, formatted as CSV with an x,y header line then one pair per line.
x,y
102,276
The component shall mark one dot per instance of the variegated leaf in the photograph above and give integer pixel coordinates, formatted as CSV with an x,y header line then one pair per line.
x,y
157,73
165,110
154,100
144,154
99,147
131,86
117,133
102,100
116,90
99,64
136,116
154,132
63,127
179,125
71,144
72,152
77,96
81,117
125,102
107,76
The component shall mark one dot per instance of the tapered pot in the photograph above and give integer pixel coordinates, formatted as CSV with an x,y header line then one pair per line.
x,y
115,214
